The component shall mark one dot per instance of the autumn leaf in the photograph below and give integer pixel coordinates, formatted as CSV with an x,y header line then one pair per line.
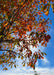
x,y
5,24
14,65
23,24
42,57
24,64
22,57
5,68
46,13
19,56
28,27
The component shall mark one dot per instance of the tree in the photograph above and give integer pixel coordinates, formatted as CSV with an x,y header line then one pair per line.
x,y
23,25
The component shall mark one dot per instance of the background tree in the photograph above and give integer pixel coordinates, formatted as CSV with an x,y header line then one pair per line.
x,y
23,25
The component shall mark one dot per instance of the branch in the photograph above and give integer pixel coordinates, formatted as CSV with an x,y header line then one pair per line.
x,y
7,50
11,52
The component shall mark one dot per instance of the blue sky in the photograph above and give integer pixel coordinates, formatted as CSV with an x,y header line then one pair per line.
x,y
50,46
46,65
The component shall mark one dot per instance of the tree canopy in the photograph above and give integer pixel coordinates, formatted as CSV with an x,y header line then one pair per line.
x,y
23,25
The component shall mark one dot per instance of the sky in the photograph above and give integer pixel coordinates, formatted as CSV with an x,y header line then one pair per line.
x,y
45,66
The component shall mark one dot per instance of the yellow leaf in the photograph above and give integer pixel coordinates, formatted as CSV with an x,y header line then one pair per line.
x,y
24,64
10,49
47,12
5,68
5,24
15,21
0,36
4,5
22,57
19,56
51,5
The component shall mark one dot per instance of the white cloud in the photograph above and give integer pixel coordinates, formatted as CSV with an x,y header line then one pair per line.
x,y
45,61
40,71
37,63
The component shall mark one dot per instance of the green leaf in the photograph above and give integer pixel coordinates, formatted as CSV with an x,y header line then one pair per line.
x,y
12,4
45,53
36,57
42,53
34,41
1,36
37,34
19,44
31,33
9,16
